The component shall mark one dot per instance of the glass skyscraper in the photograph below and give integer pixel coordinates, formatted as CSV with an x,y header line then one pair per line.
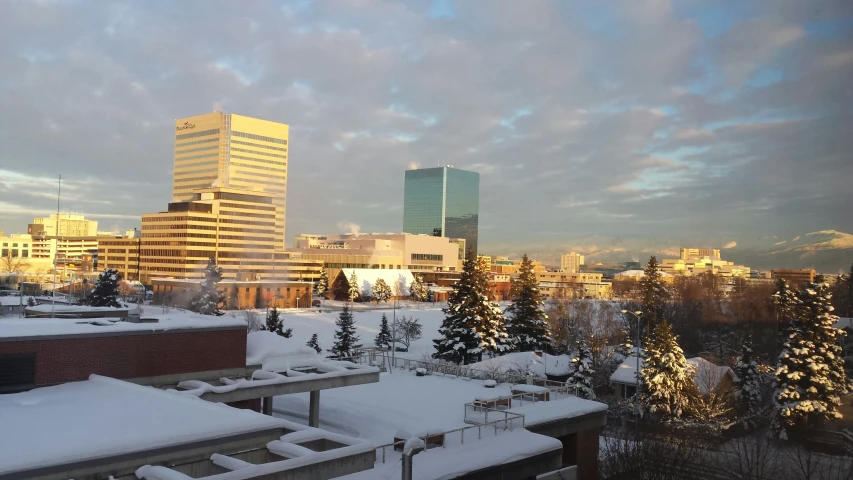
x,y
443,202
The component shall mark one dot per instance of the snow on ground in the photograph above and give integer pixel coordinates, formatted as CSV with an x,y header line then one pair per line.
x,y
305,322
457,459
103,417
403,401
173,319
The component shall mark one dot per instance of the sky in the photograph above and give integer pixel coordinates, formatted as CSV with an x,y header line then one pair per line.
x,y
645,124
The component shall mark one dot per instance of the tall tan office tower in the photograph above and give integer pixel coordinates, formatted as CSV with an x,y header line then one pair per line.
x,y
226,150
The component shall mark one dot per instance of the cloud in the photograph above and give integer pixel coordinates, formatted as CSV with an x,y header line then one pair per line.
x,y
731,244
628,118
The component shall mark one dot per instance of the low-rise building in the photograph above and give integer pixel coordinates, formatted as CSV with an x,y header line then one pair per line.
x,y
573,285
237,295
389,251
121,253
795,278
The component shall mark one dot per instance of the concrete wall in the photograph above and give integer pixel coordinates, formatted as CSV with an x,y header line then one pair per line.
x,y
131,354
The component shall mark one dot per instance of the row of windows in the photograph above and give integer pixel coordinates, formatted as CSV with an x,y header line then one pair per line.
x,y
174,243
182,227
258,167
251,180
245,239
259,160
14,245
193,157
202,133
196,142
16,253
179,218
198,149
246,245
199,171
239,197
258,145
252,136
254,207
247,230
214,163
193,179
193,186
177,235
246,214
245,222
427,256
255,152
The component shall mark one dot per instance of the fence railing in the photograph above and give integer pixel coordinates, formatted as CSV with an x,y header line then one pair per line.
x,y
462,371
509,422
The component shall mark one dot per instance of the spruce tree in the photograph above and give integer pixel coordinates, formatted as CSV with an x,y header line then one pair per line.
x,y
275,324
526,325
106,289
206,301
582,371
313,343
353,291
472,323
418,289
810,377
346,340
323,283
383,339
381,291
666,378
654,294
747,386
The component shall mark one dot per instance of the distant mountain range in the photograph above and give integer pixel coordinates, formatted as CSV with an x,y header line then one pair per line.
x,y
827,251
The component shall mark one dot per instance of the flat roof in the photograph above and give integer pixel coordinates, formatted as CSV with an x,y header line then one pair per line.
x,y
11,328
402,401
103,417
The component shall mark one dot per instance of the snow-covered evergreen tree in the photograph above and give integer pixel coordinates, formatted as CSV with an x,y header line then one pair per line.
x,y
381,291
383,338
106,289
666,379
313,343
582,371
323,283
346,340
747,388
31,302
353,292
810,377
418,289
206,301
275,324
527,323
655,295
472,324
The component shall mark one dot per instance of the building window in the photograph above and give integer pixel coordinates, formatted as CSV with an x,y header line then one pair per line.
x,y
427,257
17,372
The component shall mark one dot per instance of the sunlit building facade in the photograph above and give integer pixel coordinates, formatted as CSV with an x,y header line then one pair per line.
x,y
442,202
226,150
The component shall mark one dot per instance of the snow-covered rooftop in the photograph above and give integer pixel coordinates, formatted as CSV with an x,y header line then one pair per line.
x,y
103,417
403,401
175,319
626,372
527,362
706,375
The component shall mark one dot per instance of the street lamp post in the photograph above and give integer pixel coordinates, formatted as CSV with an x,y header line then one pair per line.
x,y
637,315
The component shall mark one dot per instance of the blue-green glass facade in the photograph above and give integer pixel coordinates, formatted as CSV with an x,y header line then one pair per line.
x,y
443,202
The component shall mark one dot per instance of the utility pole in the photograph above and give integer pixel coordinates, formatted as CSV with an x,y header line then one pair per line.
x,y
56,250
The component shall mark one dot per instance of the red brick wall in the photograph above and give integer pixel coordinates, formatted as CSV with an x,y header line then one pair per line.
x,y
132,356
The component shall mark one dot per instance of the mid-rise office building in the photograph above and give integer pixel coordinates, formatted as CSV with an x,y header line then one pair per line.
x,y
232,151
571,262
69,224
236,228
121,253
442,202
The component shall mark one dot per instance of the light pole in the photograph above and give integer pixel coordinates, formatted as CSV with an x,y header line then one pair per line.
x,y
637,315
